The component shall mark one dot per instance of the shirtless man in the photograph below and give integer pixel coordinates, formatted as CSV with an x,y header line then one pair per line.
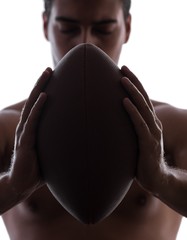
x,y
156,201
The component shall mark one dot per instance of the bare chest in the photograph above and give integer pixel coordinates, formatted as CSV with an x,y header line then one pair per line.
x,y
137,217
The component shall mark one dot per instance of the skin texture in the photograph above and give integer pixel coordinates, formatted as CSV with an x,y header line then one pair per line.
x,y
152,207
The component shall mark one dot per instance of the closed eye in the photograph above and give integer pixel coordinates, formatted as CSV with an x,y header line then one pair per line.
x,y
104,27
67,26
102,31
70,30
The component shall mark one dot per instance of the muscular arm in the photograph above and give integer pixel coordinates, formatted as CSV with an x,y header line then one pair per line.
x,y
17,147
172,189
8,121
8,196
159,128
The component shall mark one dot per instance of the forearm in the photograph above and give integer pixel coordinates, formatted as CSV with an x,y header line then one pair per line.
x,y
172,189
8,195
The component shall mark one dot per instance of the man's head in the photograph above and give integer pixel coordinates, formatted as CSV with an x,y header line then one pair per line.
x,y
105,23
126,6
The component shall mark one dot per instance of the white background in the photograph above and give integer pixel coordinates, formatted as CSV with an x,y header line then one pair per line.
x,y
156,52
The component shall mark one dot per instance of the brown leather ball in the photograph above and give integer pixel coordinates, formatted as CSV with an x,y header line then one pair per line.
x,y
86,143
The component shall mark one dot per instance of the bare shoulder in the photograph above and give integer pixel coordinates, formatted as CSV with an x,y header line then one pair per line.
x,y
15,107
174,121
170,114
10,115
9,118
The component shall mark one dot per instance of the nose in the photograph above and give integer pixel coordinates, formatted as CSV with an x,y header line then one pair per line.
x,y
86,36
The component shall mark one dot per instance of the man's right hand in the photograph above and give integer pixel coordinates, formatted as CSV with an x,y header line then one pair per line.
x,y
24,174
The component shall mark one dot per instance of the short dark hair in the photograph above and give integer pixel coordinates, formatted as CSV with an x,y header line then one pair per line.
x,y
126,6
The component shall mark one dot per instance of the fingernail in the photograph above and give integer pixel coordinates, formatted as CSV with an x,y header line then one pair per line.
x,y
48,69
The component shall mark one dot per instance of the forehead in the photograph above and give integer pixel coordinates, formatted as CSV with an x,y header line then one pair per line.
x,y
87,8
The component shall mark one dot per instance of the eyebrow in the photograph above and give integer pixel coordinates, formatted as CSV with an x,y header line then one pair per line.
x,y
71,20
66,19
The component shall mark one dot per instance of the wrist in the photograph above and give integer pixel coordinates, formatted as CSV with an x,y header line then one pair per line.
x,y
155,180
9,197
161,181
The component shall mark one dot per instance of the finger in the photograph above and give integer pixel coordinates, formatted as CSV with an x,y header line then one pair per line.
x,y
30,126
127,73
139,123
142,106
38,88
